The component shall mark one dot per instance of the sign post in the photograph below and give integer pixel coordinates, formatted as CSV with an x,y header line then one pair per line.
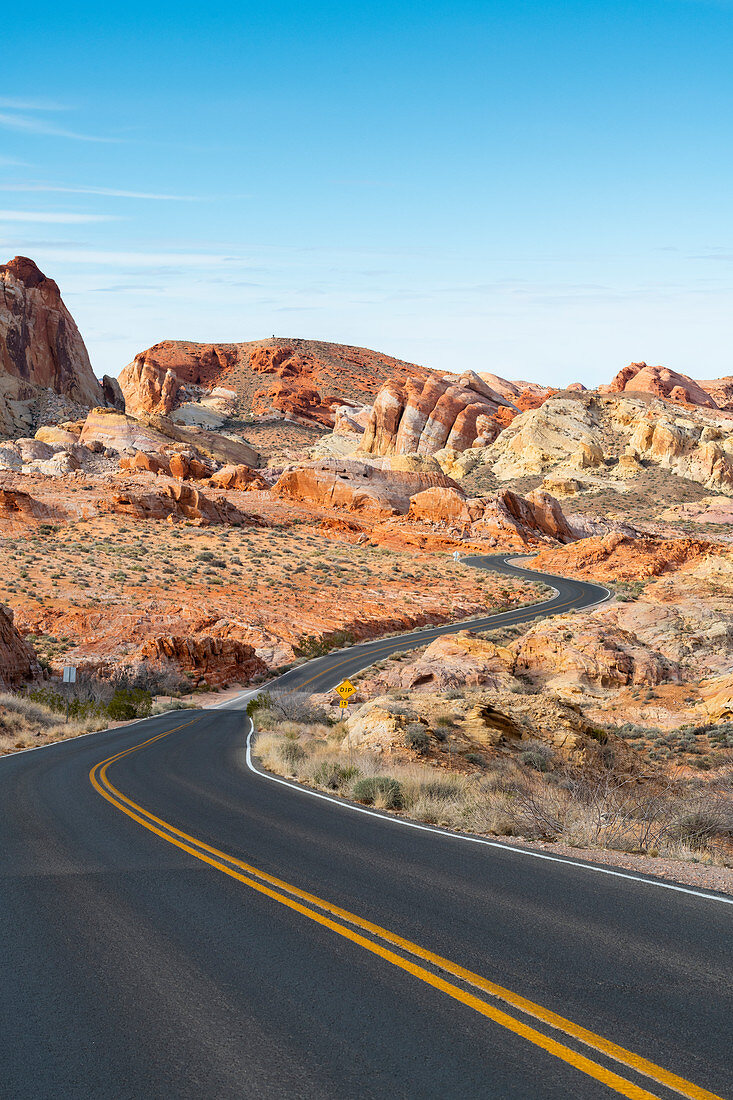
x,y
345,690
69,678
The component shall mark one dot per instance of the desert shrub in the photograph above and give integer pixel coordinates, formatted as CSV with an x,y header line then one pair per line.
x,y
439,788
292,752
474,758
696,825
313,646
128,703
293,706
537,755
379,789
153,679
397,709
416,738
332,775
80,706
171,704
437,811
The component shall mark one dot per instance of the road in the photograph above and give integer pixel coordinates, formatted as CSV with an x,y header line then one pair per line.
x,y
176,926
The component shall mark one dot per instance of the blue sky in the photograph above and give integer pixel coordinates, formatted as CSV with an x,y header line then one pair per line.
x,y
542,190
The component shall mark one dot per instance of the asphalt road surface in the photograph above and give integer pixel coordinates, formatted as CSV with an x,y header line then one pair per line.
x,y
174,925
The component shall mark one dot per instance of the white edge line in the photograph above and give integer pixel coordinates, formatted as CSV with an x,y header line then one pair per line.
x,y
345,805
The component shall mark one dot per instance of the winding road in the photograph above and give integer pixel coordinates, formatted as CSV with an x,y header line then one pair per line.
x,y
175,924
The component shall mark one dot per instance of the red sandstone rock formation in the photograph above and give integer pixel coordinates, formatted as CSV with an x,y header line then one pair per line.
x,y
18,662
44,366
537,516
148,387
219,660
358,486
426,415
237,477
300,379
189,467
660,381
618,557
39,341
721,391
168,497
525,395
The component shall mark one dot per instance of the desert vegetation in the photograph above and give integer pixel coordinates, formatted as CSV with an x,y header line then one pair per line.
x,y
604,799
47,712
91,592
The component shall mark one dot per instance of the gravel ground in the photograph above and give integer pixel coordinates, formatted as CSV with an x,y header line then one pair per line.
x,y
703,876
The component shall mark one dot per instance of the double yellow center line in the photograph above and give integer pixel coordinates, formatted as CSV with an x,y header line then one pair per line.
x,y
468,988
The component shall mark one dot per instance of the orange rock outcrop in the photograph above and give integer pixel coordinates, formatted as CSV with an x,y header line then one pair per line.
x,y
424,416
18,661
218,660
539,515
617,557
148,387
592,650
358,486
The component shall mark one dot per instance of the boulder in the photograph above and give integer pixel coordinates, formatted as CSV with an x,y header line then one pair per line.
x,y
114,398
120,432
145,462
189,466
148,387
50,434
237,477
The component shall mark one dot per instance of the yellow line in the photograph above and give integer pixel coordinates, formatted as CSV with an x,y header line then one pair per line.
x,y
198,849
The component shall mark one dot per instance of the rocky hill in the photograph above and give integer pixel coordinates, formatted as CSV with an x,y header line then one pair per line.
x,y
43,359
303,380
662,382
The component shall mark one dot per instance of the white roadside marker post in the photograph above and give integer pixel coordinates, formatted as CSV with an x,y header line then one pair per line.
x,y
69,678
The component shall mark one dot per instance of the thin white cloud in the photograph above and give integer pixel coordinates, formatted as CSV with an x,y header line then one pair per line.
x,y
40,126
137,259
53,217
111,192
32,105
